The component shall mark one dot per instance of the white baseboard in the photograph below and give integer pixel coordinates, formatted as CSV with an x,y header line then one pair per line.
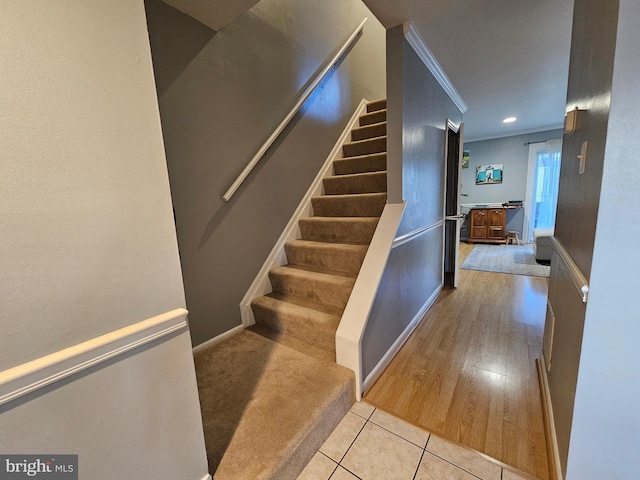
x,y
207,477
400,341
28,377
549,421
261,285
218,338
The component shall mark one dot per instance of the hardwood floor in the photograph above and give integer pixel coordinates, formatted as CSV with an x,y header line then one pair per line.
x,y
468,372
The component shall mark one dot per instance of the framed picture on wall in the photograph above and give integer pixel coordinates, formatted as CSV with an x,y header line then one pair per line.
x,y
465,159
489,174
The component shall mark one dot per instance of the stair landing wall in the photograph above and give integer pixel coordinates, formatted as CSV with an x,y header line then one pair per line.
x,y
416,102
222,97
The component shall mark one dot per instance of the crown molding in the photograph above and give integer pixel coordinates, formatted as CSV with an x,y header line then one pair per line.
x,y
417,43
517,133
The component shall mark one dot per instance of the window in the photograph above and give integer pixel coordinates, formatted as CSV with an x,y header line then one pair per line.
x,y
542,186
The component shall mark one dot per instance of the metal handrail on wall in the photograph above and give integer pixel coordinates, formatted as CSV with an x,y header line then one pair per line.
x,y
279,129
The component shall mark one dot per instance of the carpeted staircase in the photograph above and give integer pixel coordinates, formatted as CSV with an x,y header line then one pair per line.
x,y
271,395
312,290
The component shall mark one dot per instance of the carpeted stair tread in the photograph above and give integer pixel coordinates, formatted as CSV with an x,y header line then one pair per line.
x,y
369,131
335,257
377,105
267,408
301,302
353,205
365,147
272,394
374,162
294,343
280,313
370,182
373,117
355,230
314,285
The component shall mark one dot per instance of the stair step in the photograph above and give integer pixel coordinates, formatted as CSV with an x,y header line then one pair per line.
x,y
354,205
369,131
373,117
297,318
356,230
370,182
375,162
267,408
365,147
377,105
331,289
334,257
294,343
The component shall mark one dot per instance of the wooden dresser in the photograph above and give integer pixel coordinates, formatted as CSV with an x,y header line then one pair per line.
x,y
487,225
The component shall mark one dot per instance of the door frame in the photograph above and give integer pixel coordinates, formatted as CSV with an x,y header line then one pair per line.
x,y
452,216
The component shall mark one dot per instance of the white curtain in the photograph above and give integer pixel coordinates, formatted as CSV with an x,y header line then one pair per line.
x,y
547,178
542,186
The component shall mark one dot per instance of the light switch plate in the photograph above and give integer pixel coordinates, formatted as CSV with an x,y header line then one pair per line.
x,y
583,158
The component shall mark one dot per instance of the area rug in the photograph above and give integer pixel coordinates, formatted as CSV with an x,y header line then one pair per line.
x,y
514,259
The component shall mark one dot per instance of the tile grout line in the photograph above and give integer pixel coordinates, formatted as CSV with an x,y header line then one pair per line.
x,y
457,466
398,435
359,478
353,441
419,463
366,418
403,421
422,456
335,468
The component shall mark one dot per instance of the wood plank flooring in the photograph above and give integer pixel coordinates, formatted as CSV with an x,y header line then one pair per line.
x,y
468,371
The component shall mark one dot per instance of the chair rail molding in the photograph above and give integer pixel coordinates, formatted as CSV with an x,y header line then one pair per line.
x,y
578,279
30,376
408,237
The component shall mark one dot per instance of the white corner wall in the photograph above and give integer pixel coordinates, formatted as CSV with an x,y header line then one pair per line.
x,y
87,244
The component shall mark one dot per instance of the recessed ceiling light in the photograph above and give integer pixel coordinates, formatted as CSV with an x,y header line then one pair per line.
x,y
509,120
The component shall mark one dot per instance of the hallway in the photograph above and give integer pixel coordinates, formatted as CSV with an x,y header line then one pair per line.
x,y
468,371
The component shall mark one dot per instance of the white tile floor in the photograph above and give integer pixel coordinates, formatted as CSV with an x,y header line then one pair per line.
x,y
370,444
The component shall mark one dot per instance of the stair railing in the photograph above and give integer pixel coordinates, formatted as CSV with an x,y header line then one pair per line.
x,y
279,129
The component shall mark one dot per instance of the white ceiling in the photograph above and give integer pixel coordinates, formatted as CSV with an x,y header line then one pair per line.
x,y
505,57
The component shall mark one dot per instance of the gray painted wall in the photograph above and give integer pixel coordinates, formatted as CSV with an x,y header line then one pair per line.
x,y
217,112
514,154
176,39
606,419
590,86
425,110
88,243
593,45
418,109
